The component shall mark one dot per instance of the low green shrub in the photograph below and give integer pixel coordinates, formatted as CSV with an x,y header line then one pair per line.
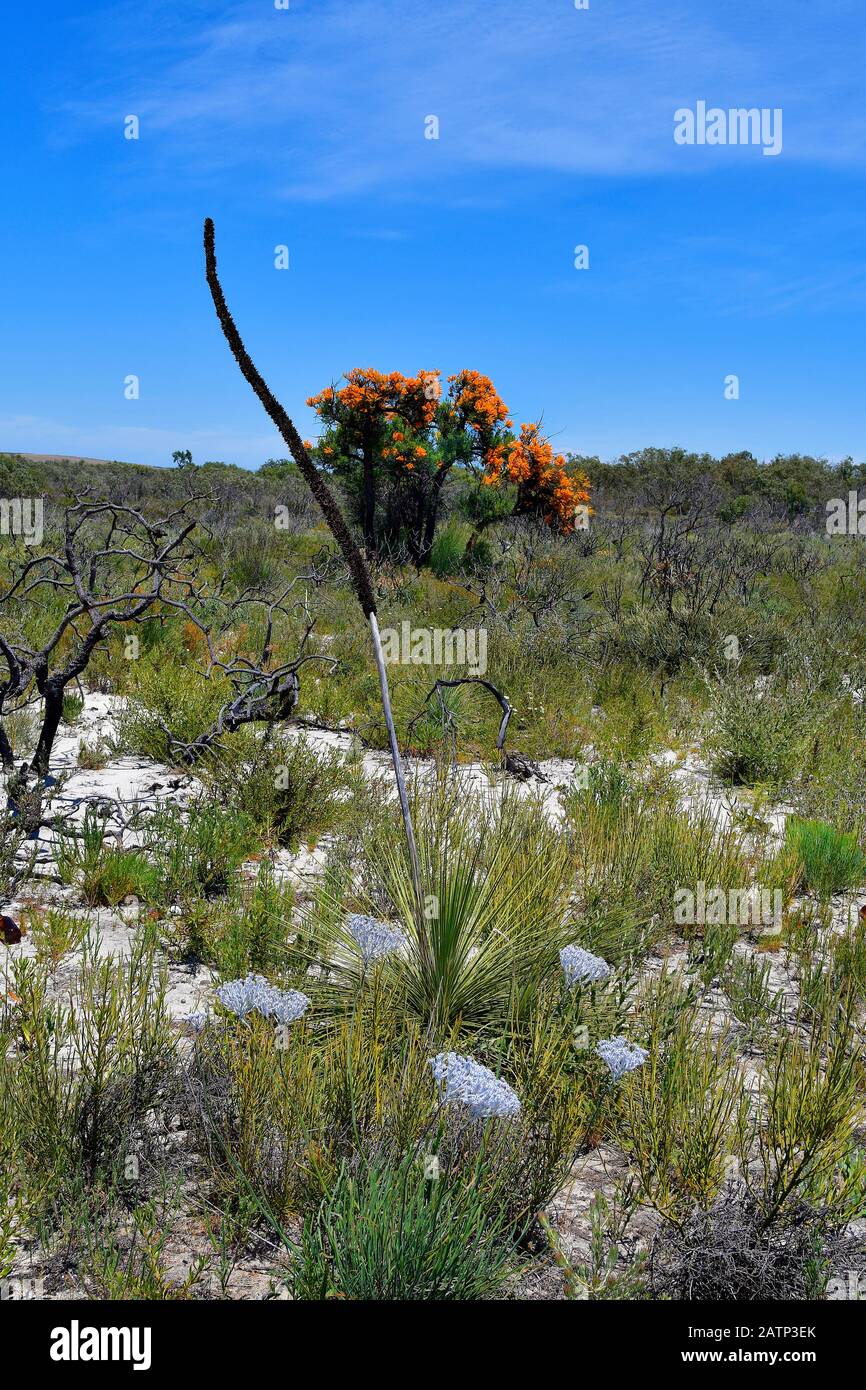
x,y
754,1004
246,931
73,704
828,860
635,849
448,548
55,932
82,1080
758,732
168,696
287,789
197,851
680,1116
385,1234
104,870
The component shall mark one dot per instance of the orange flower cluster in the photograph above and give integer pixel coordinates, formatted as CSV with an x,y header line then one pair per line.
x,y
370,395
403,453
543,484
474,397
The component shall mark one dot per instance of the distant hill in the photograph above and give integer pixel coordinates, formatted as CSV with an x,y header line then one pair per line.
x,y
59,458
236,492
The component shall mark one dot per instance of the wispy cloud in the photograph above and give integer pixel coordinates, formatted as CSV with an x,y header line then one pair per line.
x,y
328,98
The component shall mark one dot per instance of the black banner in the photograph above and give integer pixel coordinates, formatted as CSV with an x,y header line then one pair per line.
x,y
211,1338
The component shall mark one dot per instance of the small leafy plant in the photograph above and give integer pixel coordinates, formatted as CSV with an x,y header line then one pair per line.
x,y
829,860
386,1233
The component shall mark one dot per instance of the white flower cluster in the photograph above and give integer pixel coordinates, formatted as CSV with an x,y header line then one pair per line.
x,y
469,1083
375,939
582,967
286,1005
240,997
762,685
621,1056
195,1023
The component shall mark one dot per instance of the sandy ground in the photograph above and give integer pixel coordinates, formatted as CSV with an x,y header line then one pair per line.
x,y
129,782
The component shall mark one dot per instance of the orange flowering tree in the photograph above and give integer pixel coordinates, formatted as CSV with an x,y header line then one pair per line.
x,y
470,419
544,487
361,422
394,440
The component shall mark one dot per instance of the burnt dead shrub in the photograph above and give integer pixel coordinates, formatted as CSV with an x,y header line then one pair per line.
x,y
732,1253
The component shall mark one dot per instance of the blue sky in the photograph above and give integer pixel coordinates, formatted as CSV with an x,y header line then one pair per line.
x,y
306,127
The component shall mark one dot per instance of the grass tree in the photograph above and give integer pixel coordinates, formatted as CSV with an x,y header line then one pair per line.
x,y
351,552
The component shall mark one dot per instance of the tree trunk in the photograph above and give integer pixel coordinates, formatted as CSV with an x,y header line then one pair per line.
x,y
6,757
50,724
432,509
369,499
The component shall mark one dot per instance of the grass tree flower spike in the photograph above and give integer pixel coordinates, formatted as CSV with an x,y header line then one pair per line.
x,y
358,570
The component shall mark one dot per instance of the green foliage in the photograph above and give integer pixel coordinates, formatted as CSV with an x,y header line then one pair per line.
x,y
828,860
104,871
169,700
73,704
182,855
246,931
812,1101
757,734
12,846
603,1276
710,953
493,921
635,848
465,957
253,557
384,1233
288,790
55,932
681,1116
753,1003
483,506
78,1079
196,852
850,959
448,549
121,1268
20,729
93,755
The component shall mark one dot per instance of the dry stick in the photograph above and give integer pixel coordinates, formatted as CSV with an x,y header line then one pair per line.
x,y
332,514
503,701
